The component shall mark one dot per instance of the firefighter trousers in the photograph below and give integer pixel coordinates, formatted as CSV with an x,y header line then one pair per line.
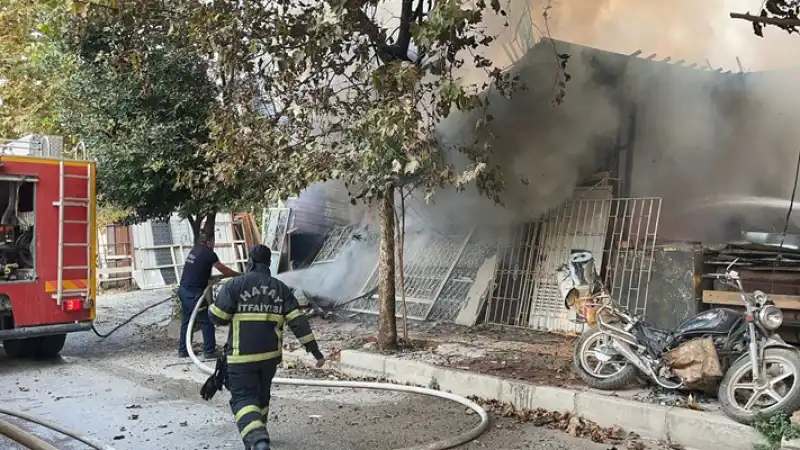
x,y
250,386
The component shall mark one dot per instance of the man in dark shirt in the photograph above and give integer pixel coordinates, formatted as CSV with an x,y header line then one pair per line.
x,y
194,280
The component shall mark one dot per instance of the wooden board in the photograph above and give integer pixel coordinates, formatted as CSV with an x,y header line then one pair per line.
x,y
733,299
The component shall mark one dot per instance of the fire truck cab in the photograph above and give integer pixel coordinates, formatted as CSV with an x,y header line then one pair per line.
x,y
47,245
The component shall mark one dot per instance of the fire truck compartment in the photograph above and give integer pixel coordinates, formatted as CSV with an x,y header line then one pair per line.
x,y
17,229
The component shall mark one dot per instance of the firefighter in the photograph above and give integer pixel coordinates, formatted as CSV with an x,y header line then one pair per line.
x,y
194,280
256,306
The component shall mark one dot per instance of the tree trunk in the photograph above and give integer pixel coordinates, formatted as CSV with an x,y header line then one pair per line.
x,y
194,221
401,245
209,227
387,321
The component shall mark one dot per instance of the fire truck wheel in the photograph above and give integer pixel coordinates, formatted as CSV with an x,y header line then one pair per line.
x,y
19,348
49,346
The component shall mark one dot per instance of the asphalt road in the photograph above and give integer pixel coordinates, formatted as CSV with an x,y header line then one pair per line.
x,y
130,392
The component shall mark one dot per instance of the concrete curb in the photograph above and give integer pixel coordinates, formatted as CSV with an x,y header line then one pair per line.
x,y
691,429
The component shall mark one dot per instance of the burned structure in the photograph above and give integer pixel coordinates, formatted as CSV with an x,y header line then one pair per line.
x,y
625,168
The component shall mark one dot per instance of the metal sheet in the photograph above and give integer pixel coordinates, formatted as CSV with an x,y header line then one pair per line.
x,y
440,271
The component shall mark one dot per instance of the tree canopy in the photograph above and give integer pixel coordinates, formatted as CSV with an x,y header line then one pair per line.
x,y
146,126
329,89
196,105
32,69
305,91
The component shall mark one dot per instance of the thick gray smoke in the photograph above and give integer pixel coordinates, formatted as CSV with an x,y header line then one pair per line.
x,y
699,135
710,146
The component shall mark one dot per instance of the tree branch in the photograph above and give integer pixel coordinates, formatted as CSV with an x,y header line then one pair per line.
x,y
767,20
404,37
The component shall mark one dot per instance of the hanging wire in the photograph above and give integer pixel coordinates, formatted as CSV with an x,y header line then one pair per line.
x,y
788,217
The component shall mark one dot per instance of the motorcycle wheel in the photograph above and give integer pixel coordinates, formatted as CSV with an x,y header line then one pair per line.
x,y
609,375
743,400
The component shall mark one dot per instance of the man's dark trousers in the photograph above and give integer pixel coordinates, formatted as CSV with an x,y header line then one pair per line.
x,y
250,386
189,299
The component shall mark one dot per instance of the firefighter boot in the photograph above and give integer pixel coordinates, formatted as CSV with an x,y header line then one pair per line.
x,y
261,445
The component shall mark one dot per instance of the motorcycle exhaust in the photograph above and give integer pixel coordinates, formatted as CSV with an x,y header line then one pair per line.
x,y
631,356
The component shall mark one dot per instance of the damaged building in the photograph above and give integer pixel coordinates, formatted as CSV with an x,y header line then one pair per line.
x,y
656,166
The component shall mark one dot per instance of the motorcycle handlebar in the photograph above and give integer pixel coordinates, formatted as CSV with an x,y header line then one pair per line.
x,y
731,277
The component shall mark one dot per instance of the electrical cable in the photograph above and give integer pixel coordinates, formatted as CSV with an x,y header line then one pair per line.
x,y
452,442
131,319
88,440
788,217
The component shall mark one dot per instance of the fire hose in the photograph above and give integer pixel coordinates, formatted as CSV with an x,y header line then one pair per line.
x,y
32,442
452,442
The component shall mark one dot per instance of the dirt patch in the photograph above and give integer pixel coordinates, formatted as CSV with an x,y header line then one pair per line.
x,y
533,356
541,358
521,366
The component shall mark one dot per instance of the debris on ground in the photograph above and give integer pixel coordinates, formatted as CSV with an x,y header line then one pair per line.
x,y
795,418
570,424
573,425
661,396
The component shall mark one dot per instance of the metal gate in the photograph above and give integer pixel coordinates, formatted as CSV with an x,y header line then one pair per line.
x,y
509,301
430,260
441,271
620,232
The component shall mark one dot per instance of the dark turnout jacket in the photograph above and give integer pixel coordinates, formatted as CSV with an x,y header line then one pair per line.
x,y
256,306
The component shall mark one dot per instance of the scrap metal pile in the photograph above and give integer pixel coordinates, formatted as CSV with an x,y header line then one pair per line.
x,y
766,261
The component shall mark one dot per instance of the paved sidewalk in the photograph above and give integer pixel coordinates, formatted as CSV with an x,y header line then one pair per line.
x,y
688,428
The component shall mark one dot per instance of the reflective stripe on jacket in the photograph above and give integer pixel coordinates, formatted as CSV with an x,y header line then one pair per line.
x,y
256,306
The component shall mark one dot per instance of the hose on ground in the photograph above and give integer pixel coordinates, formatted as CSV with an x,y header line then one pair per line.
x,y
452,442
34,443
88,440
23,438
131,319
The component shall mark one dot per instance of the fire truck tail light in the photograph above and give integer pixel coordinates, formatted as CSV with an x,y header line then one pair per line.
x,y
73,305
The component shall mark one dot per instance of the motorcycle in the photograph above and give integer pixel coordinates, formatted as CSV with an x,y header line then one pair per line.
x,y
759,371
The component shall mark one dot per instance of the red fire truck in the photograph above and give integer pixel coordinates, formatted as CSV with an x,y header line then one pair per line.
x,y
47,245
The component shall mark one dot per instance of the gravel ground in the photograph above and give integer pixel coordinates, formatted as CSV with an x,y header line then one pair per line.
x,y
131,392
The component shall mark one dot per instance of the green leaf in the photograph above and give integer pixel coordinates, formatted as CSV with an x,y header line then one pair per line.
x,y
411,166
